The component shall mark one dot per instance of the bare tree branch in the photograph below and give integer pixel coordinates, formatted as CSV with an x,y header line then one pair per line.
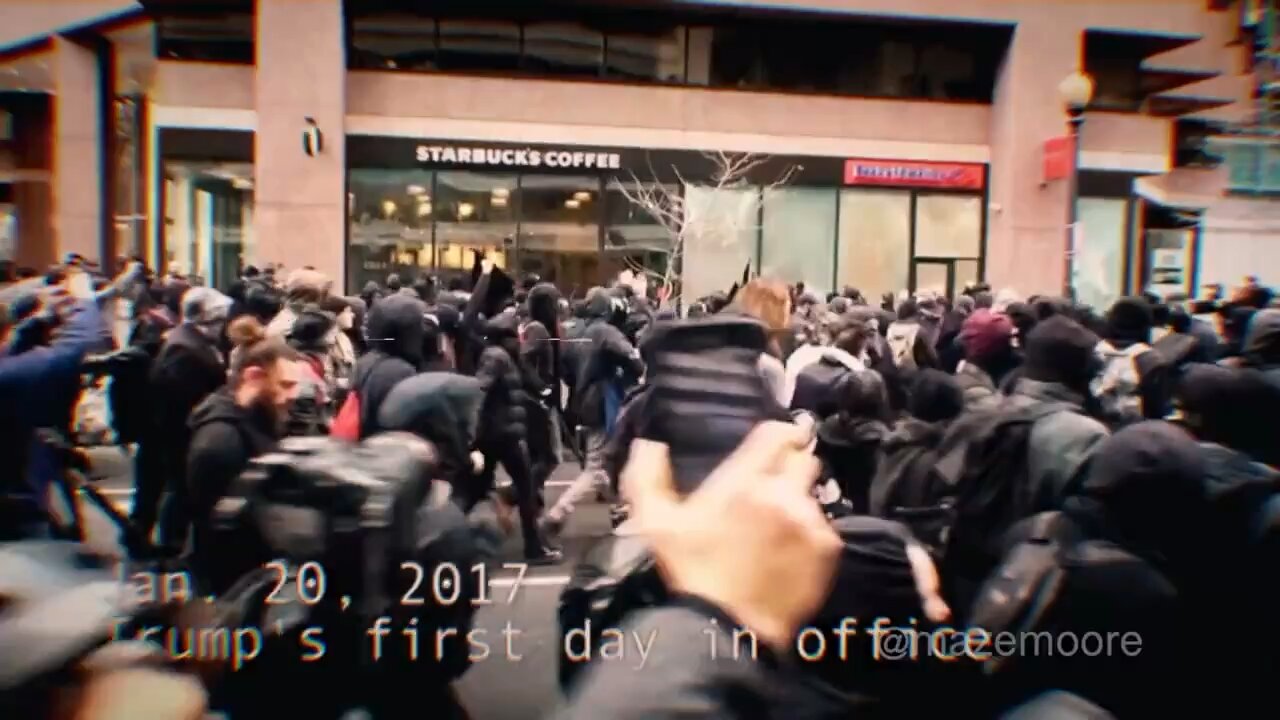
x,y
703,223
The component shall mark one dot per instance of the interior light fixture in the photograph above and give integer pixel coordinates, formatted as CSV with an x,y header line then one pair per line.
x,y
501,192
572,204
388,207
465,210
415,190
424,209
582,196
499,202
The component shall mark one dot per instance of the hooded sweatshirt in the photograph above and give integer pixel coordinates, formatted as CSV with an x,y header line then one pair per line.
x,y
224,438
443,408
395,328
1262,345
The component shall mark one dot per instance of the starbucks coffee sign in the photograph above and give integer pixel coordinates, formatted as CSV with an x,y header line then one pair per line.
x,y
517,157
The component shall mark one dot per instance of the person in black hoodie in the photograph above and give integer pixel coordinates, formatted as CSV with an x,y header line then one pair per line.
x,y
540,346
234,425
444,408
606,364
849,440
188,368
503,436
936,400
395,329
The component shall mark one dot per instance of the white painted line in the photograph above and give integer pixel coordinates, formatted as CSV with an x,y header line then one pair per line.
x,y
558,483
535,581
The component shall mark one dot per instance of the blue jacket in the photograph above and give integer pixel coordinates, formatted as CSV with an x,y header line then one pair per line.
x,y
38,389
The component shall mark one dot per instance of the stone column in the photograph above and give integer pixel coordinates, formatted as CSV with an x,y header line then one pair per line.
x,y
1026,233
300,201
77,150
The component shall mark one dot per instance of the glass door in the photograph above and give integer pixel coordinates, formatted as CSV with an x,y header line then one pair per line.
x,y
938,276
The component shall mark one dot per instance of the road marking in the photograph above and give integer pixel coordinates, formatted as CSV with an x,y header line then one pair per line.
x,y
116,492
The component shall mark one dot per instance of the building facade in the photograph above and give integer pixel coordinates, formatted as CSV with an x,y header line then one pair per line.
x,y
886,145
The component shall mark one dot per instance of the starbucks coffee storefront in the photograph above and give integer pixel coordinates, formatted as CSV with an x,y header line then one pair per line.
x,y
421,206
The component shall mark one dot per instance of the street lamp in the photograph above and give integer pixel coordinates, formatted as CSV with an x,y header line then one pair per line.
x,y
1076,90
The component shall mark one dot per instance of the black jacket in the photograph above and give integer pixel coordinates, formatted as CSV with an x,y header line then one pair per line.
x,y
503,383
396,327
849,448
444,408
224,438
605,355
187,370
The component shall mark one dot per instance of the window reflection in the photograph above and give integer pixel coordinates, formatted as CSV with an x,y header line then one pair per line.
x,y
563,49
475,212
391,213
659,55
875,240
209,219
560,229
722,226
635,238
479,45
799,236
403,42
948,226
214,37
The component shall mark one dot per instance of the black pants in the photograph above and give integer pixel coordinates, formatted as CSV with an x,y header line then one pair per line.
x,y
513,454
148,485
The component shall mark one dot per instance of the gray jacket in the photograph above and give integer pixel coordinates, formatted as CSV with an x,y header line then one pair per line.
x,y
980,391
1061,443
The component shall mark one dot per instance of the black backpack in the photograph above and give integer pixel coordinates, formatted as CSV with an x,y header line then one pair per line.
x,y
615,577
343,536
959,497
1057,609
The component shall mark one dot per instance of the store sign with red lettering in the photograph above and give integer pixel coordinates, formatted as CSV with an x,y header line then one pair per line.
x,y
950,176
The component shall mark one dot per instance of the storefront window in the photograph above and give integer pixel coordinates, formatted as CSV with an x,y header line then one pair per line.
x,y
560,229
563,49
659,55
948,226
391,212
476,213
799,236
721,230
1097,269
639,236
404,42
479,45
875,240
209,219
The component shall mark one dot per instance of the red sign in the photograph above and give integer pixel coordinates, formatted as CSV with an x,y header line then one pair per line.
x,y
955,176
1058,157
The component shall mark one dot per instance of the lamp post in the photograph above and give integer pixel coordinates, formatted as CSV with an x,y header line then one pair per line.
x,y
1076,90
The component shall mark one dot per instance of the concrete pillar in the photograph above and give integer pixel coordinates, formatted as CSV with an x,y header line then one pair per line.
x,y
77,150
300,201
1026,234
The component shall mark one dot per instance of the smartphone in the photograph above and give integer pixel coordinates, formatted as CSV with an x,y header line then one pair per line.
x,y
708,392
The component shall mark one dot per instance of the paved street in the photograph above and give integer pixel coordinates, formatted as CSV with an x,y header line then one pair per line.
x,y
498,688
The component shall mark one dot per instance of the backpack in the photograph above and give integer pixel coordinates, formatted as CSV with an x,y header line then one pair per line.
x,y
616,576
963,494
348,423
902,344
348,535
311,411
1119,387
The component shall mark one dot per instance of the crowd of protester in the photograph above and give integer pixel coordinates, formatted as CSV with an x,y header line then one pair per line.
x,y
1137,444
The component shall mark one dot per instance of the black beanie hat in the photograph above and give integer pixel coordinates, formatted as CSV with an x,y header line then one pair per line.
x,y
1061,350
1129,320
935,396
